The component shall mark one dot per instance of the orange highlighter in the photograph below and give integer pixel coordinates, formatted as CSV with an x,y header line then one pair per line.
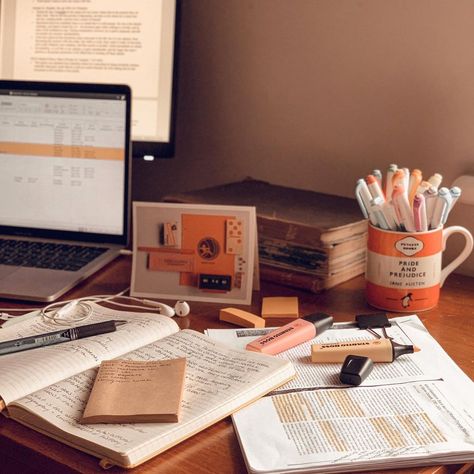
x,y
292,334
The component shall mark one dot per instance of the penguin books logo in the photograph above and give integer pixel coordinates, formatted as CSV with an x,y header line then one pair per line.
x,y
208,248
409,246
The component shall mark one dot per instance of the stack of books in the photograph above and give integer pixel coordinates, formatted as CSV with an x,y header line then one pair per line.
x,y
307,240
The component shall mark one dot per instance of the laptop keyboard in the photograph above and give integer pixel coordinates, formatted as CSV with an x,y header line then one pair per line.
x,y
23,253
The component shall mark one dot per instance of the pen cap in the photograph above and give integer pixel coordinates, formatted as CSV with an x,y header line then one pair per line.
x,y
321,321
355,369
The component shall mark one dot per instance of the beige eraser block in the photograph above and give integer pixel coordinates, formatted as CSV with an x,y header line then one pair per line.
x,y
280,307
241,318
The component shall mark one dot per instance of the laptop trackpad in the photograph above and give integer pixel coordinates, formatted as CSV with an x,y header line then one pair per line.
x,y
6,270
34,283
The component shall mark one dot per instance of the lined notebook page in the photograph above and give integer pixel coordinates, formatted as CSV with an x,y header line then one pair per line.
x,y
218,381
28,371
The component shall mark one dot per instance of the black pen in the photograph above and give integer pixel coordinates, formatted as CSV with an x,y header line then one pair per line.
x,y
63,335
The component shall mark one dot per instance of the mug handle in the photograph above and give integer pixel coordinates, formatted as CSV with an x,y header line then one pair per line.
x,y
464,253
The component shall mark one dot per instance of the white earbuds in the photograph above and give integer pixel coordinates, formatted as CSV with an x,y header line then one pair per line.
x,y
181,308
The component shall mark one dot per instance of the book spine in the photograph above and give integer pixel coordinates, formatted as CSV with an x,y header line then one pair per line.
x,y
291,279
289,232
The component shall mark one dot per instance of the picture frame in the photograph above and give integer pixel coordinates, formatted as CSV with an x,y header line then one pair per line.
x,y
194,252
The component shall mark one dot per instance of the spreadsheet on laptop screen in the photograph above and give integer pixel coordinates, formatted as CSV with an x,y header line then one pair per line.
x,y
62,157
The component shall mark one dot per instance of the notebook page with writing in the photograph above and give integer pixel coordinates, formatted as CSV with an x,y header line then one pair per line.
x,y
31,370
219,380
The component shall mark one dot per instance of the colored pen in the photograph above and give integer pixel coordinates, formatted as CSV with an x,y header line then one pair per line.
x,y
406,181
431,195
419,213
374,188
378,177
376,209
56,337
364,197
403,208
435,180
441,208
389,181
455,192
415,180
424,185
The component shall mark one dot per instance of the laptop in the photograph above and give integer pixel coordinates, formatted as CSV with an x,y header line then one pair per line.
x,y
64,184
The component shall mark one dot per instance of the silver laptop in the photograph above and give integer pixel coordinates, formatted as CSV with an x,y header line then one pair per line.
x,y
64,184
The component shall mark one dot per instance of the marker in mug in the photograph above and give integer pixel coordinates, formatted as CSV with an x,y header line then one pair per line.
x,y
455,194
388,181
424,185
378,177
431,196
435,180
415,180
419,213
441,208
406,181
377,210
403,208
364,197
374,188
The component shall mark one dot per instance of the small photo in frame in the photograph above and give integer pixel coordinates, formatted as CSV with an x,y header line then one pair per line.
x,y
194,252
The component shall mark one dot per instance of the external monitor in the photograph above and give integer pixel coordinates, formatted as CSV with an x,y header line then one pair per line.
x,y
121,42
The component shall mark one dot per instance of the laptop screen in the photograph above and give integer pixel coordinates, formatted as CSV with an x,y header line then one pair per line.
x,y
64,159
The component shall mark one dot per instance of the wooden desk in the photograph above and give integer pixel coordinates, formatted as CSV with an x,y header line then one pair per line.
x,y
216,449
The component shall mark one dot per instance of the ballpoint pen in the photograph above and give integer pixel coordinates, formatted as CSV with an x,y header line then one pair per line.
x,y
56,337
419,213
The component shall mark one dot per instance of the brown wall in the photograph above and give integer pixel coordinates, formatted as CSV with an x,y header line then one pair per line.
x,y
316,93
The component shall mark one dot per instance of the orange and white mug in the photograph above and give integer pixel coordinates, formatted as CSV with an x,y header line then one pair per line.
x,y
404,271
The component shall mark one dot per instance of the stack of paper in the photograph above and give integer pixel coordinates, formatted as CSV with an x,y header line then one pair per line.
x,y
415,411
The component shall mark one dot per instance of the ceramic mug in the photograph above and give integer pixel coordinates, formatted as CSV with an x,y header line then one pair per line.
x,y
404,270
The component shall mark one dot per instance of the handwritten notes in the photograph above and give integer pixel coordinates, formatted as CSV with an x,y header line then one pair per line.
x,y
127,391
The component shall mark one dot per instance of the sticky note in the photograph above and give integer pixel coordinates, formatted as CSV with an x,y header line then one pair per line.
x,y
241,318
280,307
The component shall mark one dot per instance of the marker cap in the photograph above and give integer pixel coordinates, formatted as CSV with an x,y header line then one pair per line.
x,y
321,321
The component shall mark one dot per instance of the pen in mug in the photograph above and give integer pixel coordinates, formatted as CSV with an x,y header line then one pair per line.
x,y
403,208
398,178
424,185
441,208
406,182
431,195
364,197
415,180
419,213
376,209
374,188
435,180
388,181
455,194
378,177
